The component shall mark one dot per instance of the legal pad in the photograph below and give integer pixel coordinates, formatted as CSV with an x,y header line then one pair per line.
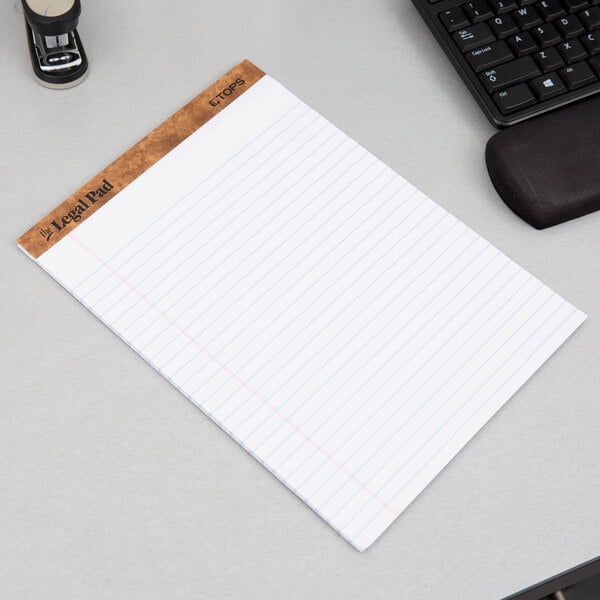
x,y
342,327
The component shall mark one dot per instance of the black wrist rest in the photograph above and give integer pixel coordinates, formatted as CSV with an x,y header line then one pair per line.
x,y
547,170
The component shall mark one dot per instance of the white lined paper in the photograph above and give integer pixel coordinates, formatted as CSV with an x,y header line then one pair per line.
x,y
346,330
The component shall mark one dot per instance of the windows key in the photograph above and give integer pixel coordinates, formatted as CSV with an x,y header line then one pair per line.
x,y
548,86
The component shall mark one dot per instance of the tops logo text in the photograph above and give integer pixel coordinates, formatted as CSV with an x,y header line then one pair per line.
x,y
227,92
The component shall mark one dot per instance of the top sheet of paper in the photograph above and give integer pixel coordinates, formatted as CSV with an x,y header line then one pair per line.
x,y
342,327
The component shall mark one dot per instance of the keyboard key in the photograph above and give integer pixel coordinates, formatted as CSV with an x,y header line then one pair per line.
x,y
503,26
572,51
595,62
473,37
454,18
590,18
546,35
478,10
522,44
503,6
526,53
569,26
547,86
575,5
489,56
514,98
527,17
548,60
578,75
550,9
591,42
510,73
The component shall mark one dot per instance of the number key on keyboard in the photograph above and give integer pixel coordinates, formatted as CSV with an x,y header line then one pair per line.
x,y
478,10
503,6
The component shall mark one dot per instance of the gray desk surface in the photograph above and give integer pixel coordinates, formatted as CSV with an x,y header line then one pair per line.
x,y
114,486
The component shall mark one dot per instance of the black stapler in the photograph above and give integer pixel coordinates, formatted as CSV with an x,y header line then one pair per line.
x,y
57,55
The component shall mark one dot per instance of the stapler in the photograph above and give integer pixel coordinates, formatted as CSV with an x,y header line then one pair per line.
x,y
57,55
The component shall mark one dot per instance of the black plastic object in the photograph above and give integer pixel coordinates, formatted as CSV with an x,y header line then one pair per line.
x,y
58,25
38,27
547,170
519,58
583,578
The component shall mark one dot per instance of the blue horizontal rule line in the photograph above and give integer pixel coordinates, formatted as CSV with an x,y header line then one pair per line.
x,y
355,195
196,318
446,402
383,328
421,367
404,363
215,251
197,217
274,302
289,397
448,379
521,365
289,288
176,204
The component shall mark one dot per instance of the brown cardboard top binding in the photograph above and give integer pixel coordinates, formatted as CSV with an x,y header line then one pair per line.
x,y
138,159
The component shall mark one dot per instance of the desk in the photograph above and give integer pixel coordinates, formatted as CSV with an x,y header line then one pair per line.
x,y
115,486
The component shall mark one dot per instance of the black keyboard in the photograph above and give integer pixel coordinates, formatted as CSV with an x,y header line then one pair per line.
x,y
520,58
